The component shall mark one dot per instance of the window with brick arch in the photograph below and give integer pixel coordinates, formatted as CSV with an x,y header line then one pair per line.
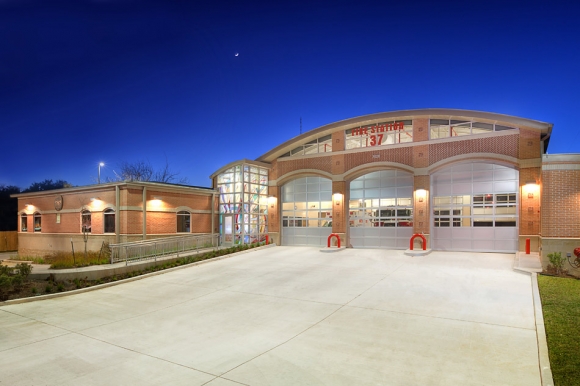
x,y
109,220
23,223
86,221
37,222
183,222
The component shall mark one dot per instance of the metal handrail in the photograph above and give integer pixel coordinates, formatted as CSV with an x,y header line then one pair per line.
x,y
151,249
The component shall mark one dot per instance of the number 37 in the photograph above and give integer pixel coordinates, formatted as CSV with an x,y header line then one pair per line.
x,y
376,140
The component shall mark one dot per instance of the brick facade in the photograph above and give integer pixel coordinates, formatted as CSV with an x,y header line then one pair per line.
x,y
162,202
520,148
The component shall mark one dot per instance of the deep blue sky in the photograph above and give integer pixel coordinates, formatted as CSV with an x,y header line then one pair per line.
x,y
88,81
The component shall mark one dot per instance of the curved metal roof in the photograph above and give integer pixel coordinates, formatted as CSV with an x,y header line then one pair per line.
x,y
481,116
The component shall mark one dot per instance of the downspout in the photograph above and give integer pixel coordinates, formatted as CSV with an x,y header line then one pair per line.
x,y
117,214
213,213
144,213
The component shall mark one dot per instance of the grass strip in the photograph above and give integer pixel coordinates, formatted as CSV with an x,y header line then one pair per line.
x,y
561,308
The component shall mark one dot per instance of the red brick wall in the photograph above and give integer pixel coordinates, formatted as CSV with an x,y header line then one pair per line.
x,y
505,145
560,203
420,129
403,155
529,144
319,163
201,223
421,156
338,139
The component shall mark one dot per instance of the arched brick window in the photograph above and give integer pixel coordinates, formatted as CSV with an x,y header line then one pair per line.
x,y
23,223
86,221
183,222
37,222
109,220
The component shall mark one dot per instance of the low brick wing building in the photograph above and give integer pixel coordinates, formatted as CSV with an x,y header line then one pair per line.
x,y
49,221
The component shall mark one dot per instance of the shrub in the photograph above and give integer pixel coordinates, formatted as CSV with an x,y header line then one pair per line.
x,y
33,290
557,261
5,286
60,287
47,289
24,269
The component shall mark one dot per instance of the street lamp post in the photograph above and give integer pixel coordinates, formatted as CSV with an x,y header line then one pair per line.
x,y
99,178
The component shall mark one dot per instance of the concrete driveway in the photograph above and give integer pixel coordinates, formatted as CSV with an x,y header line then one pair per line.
x,y
287,316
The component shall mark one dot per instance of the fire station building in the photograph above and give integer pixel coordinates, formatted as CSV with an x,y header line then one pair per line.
x,y
466,180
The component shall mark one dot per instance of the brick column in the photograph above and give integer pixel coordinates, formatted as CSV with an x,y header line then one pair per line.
x,y
420,130
421,209
339,210
529,212
274,214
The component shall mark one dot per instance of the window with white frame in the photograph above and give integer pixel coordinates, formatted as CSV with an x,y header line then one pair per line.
x,y
319,145
445,128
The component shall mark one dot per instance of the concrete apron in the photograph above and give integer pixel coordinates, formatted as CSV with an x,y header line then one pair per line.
x,y
289,316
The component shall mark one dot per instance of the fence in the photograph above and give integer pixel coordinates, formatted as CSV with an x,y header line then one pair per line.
x,y
8,241
151,249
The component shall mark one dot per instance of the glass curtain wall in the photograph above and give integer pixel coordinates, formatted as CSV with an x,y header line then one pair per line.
x,y
243,193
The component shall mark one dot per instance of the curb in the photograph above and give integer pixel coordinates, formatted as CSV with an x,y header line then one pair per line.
x,y
544,359
130,279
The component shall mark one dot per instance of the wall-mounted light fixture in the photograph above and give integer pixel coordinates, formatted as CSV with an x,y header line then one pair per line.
x,y
93,199
420,194
157,198
337,197
530,187
271,201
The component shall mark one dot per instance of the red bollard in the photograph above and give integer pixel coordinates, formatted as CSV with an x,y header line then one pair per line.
x,y
527,246
337,238
422,238
267,240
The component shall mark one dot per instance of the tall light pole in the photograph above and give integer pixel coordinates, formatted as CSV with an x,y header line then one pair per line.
x,y
99,178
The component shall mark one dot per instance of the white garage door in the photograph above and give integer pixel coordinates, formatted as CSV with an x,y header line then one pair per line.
x,y
307,211
381,210
475,208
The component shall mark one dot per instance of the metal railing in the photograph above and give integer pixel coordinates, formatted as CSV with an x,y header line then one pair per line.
x,y
152,249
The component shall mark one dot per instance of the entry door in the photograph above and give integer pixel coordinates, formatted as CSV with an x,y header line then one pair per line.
x,y
228,229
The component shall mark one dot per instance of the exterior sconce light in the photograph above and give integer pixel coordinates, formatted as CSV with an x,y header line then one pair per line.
x,y
530,188
271,201
93,199
420,194
157,198
337,196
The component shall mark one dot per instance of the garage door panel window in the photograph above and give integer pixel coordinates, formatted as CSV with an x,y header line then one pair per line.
x,y
381,200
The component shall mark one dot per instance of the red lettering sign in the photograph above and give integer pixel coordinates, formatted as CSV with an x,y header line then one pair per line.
x,y
374,138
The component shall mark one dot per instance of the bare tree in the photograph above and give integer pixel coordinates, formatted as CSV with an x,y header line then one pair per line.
x,y
144,171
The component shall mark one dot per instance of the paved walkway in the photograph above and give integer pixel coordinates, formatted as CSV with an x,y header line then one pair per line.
x,y
287,316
